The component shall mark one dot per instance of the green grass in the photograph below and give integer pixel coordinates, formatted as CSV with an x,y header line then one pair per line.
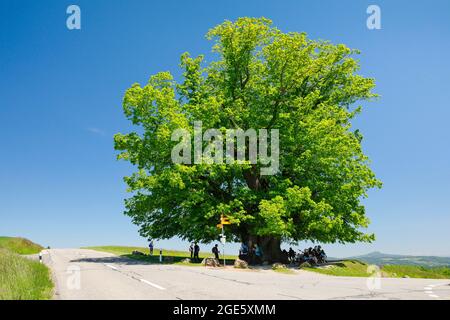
x,y
284,270
19,245
170,256
347,268
355,268
23,279
417,271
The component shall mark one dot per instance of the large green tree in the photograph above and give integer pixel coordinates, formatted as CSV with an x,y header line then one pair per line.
x,y
260,78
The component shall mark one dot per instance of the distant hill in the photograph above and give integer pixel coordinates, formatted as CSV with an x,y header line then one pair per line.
x,y
19,245
380,259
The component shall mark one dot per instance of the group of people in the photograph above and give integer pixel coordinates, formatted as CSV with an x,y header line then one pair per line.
x,y
194,250
311,255
252,255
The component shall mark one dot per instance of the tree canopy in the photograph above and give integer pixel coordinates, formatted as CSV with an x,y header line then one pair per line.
x,y
260,77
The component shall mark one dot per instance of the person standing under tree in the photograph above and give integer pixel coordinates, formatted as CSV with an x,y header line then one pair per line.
x,y
150,247
196,252
258,254
291,255
243,252
191,250
216,251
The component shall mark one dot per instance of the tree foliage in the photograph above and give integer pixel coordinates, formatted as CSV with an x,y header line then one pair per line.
x,y
260,78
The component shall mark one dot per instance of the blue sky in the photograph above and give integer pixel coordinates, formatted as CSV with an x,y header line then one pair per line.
x,y
61,92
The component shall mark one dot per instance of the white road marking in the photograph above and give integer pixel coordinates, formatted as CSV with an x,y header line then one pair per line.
x,y
152,284
142,280
110,266
429,290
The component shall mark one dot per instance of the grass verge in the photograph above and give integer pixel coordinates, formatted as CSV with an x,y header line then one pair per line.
x,y
355,268
23,279
19,245
404,271
284,270
348,268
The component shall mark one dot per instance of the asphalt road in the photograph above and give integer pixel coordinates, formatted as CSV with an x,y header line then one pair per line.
x,y
86,274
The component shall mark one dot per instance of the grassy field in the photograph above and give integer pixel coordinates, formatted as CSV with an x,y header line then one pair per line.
x,y
418,271
348,268
23,279
284,270
355,268
170,256
19,245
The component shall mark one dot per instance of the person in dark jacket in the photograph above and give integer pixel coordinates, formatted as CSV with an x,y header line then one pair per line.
x,y
216,251
291,254
196,252
150,247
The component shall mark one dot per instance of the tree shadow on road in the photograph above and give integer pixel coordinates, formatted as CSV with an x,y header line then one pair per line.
x,y
116,259
130,259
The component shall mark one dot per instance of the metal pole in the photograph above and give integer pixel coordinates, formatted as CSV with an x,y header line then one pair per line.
x,y
223,246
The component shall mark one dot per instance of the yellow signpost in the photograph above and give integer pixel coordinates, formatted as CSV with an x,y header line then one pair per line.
x,y
223,221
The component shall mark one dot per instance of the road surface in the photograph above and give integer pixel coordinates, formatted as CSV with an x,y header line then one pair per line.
x,y
87,274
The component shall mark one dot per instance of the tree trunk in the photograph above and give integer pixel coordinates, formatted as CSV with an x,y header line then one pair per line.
x,y
270,246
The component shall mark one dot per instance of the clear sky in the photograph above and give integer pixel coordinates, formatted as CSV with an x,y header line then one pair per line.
x,y
61,92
